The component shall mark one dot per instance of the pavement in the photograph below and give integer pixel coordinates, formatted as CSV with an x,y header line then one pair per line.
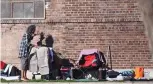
x,y
127,82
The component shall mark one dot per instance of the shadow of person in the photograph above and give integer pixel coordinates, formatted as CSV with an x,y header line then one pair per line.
x,y
49,41
41,39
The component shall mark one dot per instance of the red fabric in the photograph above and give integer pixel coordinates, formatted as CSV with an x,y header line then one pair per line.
x,y
2,65
88,60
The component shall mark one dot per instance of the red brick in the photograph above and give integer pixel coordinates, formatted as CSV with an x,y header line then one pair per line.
x,y
82,24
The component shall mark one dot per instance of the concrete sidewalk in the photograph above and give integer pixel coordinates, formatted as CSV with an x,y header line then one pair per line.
x,y
127,82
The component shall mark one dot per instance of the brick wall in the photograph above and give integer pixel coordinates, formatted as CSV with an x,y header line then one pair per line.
x,y
82,24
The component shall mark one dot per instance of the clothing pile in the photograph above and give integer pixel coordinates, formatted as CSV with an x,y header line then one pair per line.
x,y
9,72
138,74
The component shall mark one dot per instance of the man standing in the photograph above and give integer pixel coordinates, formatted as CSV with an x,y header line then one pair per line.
x,y
24,50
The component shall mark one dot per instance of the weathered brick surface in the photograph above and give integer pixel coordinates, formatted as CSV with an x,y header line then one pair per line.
x,y
12,34
88,11
83,24
95,11
129,45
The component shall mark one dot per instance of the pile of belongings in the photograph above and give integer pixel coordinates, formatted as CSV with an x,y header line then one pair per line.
x,y
119,76
9,72
138,74
87,66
